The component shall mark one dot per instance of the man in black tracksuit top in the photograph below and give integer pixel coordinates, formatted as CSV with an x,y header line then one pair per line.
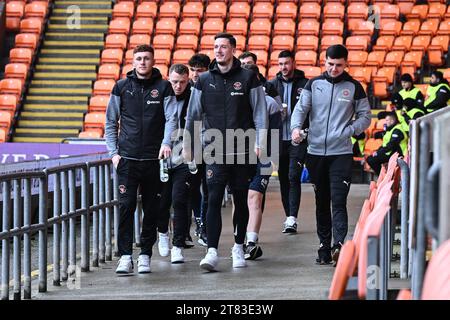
x,y
289,83
332,100
227,98
144,105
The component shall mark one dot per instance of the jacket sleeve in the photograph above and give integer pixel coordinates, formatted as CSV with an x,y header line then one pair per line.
x,y
442,96
194,113
394,143
112,122
302,107
171,115
260,114
362,110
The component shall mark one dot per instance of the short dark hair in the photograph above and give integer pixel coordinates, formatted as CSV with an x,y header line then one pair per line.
x,y
252,67
286,54
228,36
438,74
337,51
144,48
247,54
179,68
199,60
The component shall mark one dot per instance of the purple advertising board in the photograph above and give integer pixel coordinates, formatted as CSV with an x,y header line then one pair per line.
x,y
19,152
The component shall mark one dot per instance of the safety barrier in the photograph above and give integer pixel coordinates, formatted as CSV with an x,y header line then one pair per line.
x,y
97,208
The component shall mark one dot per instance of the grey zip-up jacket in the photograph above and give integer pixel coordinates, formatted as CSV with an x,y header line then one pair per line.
x,y
332,103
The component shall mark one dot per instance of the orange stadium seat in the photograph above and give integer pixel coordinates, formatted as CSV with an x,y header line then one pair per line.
x,y
388,73
146,9
357,43
89,135
14,13
216,10
405,6
182,56
447,74
129,56
273,70
393,59
429,27
138,39
332,27
169,9
123,9
109,71
116,41
310,10
286,10
311,72
8,103
31,25
162,56
436,10
334,10
328,41
390,27
342,274
163,69
190,26
240,42
402,43
125,69
262,10
16,71
376,58
239,10
20,55
5,120
357,58
284,27
103,87
26,40
419,11
261,26
36,9
439,45
308,26
306,58
307,42
447,14
444,27
390,11
207,42
362,74
187,41
209,53
119,25
3,135
283,42
213,26
11,86
167,26
163,41
363,28
322,59
237,26
414,57
262,57
421,42
411,27
274,57
357,10
384,43
95,121
98,103
258,43
192,10
112,56
143,26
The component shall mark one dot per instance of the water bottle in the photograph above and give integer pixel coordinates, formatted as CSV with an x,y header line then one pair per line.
x,y
163,170
192,167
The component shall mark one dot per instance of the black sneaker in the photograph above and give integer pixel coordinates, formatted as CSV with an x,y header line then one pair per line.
x,y
252,251
198,227
324,255
202,239
335,253
188,243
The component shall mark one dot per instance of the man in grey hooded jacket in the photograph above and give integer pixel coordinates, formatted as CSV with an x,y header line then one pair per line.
x,y
332,99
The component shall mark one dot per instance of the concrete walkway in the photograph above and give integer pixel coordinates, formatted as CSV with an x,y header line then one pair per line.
x,y
287,269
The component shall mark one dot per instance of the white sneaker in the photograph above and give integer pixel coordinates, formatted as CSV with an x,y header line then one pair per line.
x,y
143,263
210,261
238,256
290,225
125,265
163,244
176,255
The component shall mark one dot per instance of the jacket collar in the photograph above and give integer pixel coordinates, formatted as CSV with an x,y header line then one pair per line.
x,y
298,74
342,77
214,68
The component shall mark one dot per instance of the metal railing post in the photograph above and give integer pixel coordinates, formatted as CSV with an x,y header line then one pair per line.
x,y
5,242
72,226
373,284
108,253
404,219
64,226
27,239
85,219
101,222
56,230
43,194
432,198
17,269
95,227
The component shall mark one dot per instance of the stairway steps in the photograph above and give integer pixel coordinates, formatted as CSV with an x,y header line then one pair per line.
x,y
66,75
83,20
46,131
48,44
56,107
61,84
54,139
60,91
51,124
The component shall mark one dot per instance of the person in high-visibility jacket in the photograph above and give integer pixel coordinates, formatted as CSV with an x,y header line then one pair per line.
x,y
408,102
359,143
438,92
395,139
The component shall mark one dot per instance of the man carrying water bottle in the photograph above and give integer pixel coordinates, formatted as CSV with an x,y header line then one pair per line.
x,y
145,106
